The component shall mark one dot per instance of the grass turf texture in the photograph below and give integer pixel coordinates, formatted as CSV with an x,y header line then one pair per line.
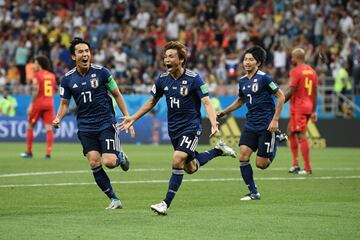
x,y
58,198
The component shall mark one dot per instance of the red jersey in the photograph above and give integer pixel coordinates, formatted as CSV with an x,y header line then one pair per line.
x,y
46,82
304,80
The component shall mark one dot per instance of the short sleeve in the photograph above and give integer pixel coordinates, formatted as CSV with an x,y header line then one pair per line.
x,y
156,90
201,87
241,94
64,90
106,74
273,87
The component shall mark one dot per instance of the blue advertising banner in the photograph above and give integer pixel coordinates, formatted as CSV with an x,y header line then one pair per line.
x,y
148,129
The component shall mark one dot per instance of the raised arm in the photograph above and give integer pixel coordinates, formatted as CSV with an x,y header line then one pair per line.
x,y
128,121
122,105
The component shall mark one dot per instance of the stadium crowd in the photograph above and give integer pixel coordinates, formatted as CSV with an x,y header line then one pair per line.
x,y
127,35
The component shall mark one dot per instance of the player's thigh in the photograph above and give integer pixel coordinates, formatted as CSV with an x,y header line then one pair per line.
x,y
89,141
108,140
248,144
186,143
179,159
266,144
47,115
298,122
34,116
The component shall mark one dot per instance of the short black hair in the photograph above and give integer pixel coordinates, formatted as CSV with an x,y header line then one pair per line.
x,y
258,53
75,42
44,62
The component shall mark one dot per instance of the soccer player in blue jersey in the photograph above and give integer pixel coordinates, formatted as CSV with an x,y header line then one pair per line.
x,y
89,85
184,91
256,89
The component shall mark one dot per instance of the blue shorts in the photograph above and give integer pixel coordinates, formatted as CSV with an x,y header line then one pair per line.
x,y
187,143
104,141
263,141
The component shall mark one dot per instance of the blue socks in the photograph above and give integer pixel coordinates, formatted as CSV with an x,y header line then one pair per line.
x,y
174,185
103,181
204,157
247,175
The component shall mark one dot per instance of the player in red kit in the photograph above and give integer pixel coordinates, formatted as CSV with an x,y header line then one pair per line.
x,y
42,105
302,93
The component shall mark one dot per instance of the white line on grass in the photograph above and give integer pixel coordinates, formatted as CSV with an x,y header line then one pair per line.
x,y
155,170
185,180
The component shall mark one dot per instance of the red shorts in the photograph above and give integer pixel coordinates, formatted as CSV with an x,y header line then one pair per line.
x,y
47,115
298,122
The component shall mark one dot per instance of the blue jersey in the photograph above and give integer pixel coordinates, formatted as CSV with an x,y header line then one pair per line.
x,y
258,94
183,99
95,110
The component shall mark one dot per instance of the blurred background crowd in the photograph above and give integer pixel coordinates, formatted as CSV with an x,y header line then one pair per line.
x,y
126,36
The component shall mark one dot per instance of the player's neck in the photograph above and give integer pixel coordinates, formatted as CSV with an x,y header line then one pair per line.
x,y
82,71
178,73
251,73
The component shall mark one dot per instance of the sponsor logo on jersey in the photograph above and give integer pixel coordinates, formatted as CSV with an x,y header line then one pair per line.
x,y
184,82
166,88
83,83
94,82
153,89
75,85
93,75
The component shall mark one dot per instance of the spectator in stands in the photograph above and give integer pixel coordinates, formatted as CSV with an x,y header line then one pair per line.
x,y
343,86
8,104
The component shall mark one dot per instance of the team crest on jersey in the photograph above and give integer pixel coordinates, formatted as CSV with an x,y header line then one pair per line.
x,y
184,90
94,82
255,87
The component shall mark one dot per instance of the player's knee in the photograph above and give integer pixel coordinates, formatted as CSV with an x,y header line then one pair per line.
x,y
178,160
109,162
262,164
191,167
94,163
243,155
189,170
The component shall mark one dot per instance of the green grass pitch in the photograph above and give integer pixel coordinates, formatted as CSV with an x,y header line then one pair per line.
x,y
58,198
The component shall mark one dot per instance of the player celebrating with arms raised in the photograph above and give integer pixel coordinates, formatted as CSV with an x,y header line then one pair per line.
x,y
184,91
256,89
302,93
89,85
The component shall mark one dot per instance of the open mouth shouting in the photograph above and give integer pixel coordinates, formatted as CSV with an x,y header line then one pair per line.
x,y
169,67
85,61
